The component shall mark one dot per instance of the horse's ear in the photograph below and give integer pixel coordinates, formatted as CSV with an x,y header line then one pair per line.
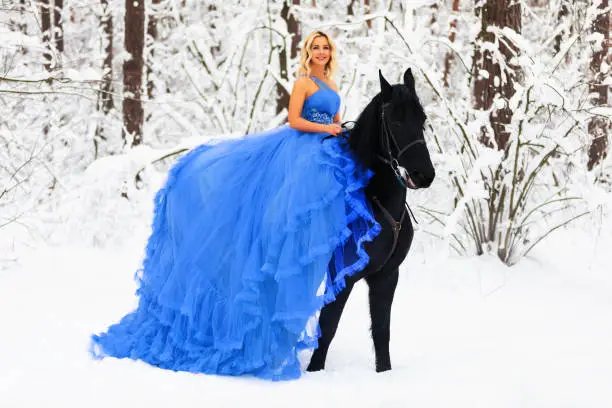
x,y
385,87
409,79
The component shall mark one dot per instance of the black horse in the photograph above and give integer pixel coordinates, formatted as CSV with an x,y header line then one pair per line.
x,y
387,138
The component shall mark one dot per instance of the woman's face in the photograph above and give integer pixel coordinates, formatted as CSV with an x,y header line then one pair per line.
x,y
320,51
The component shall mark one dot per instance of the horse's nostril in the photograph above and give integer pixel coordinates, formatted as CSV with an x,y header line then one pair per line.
x,y
422,180
419,176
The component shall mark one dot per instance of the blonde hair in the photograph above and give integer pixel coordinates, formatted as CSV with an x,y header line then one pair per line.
x,y
306,55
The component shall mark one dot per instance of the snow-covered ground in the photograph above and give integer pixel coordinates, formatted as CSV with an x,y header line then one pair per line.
x,y
466,332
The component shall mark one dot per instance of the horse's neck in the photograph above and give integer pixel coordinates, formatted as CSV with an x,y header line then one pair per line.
x,y
387,189
384,184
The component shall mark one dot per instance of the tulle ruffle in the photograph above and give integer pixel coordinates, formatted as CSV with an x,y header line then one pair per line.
x,y
250,239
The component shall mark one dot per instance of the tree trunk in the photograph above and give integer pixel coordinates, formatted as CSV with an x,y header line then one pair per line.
x,y
489,80
561,17
152,36
106,24
599,125
19,24
354,5
58,25
45,21
23,26
434,9
133,70
293,27
368,10
215,49
350,9
451,37
105,96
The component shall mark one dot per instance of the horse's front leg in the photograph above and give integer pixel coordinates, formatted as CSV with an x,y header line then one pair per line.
x,y
382,288
328,322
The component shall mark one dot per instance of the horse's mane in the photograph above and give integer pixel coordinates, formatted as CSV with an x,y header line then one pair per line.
x,y
363,137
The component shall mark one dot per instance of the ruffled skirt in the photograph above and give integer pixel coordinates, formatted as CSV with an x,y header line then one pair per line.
x,y
250,239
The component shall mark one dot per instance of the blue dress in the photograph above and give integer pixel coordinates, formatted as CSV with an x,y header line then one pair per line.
x,y
250,239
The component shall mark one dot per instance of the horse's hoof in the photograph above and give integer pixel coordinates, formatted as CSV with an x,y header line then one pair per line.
x,y
383,369
314,368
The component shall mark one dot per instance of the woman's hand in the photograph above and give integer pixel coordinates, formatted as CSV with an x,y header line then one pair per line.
x,y
334,129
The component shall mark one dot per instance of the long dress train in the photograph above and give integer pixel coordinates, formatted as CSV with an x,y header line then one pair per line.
x,y
250,239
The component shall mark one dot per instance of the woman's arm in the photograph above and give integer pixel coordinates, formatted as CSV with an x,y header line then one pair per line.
x,y
335,87
296,103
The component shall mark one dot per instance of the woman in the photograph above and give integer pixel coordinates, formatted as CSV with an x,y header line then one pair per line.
x,y
250,239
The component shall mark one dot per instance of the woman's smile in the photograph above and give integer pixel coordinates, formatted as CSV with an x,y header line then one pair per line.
x,y
320,51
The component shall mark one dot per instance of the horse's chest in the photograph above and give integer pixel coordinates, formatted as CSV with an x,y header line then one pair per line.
x,y
402,244
392,245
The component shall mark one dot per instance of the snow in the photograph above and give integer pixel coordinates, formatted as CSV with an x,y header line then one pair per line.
x,y
466,332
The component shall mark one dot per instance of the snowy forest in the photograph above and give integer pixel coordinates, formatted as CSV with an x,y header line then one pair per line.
x,y
99,98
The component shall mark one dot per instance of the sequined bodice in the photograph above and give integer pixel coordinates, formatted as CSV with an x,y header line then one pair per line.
x,y
321,106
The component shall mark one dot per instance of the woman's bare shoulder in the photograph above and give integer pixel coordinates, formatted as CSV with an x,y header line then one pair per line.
x,y
304,85
302,82
303,79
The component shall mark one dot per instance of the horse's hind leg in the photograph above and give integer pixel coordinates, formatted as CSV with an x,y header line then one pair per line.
x,y
382,288
328,322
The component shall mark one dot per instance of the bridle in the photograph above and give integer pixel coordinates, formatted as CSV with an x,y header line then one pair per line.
x,y
387,138
392,160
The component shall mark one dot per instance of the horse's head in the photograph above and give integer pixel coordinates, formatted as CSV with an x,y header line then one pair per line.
x,y
402,141
389,132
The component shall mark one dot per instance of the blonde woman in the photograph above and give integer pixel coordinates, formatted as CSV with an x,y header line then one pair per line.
x,y
245,234
317,65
